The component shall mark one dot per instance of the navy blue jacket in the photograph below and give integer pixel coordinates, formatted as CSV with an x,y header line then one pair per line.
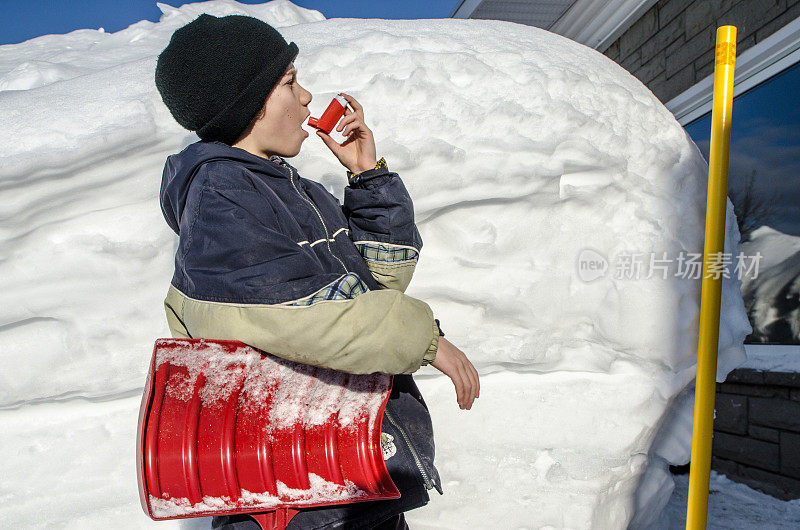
x,y
258,206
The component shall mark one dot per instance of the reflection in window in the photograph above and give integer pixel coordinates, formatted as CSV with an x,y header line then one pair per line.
x,y
764,186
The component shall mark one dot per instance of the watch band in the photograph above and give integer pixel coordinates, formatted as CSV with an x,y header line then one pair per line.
x,y
380,164
441,333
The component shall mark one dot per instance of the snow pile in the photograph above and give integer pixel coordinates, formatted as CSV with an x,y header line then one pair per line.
x,y
321,491
522,150
773,297
732,505
771,358
297,393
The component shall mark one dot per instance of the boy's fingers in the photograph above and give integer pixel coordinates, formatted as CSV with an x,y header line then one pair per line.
x,y
350,127
356,125
357,108
466,391
474,379
474,391
473,383
459,384
462,365
344,121
350,99
473,373
330,142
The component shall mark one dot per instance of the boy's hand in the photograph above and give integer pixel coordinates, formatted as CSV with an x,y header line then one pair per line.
x,y
357,152
454,364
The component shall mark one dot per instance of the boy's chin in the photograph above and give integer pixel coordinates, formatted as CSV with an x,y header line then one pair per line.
x,y
292,152
288,152
296,150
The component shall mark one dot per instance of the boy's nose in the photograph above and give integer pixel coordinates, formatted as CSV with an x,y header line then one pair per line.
x,y
308,97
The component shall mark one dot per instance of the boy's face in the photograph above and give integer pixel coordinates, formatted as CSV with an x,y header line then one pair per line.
x,y
279,131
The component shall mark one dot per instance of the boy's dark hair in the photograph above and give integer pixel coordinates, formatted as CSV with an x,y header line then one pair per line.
x,y
216,73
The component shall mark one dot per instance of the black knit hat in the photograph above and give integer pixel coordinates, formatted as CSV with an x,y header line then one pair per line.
x,y
216,73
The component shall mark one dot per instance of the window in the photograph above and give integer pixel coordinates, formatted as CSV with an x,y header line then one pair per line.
x,y
764,185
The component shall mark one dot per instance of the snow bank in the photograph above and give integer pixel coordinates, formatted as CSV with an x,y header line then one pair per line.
x,y
771,297
321,491
732,505
522,150
772,358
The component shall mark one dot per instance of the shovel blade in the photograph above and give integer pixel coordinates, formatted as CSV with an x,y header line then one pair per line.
x,y
225,428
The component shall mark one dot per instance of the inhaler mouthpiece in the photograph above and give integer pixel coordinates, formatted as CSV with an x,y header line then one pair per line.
x,y
331,116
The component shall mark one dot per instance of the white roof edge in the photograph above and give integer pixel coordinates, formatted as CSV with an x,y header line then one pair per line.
x,y
592,23
464,8
598,24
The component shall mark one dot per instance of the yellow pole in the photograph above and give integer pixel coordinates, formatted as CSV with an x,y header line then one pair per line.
x,y
697,511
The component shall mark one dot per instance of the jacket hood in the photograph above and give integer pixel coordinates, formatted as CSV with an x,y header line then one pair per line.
x,y
181,168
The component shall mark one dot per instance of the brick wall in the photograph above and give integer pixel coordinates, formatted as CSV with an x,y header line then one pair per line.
x,y
757,431
671,47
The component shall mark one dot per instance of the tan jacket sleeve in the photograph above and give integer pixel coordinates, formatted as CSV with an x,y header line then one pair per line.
x,y
378,331
391,265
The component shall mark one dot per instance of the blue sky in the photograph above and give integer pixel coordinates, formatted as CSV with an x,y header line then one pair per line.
x,y
27,19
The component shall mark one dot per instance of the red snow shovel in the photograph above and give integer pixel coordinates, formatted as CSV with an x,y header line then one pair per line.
x,y
227,429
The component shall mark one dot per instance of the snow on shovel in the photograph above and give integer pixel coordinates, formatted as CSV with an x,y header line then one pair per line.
x,y
227,429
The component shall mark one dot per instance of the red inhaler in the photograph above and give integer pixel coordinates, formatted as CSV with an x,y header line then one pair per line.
x,y
331,116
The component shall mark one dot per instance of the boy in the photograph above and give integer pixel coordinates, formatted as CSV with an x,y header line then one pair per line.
x,y
275,261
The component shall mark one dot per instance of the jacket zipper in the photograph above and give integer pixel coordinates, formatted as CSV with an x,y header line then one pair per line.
x,y
327,236
428,483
